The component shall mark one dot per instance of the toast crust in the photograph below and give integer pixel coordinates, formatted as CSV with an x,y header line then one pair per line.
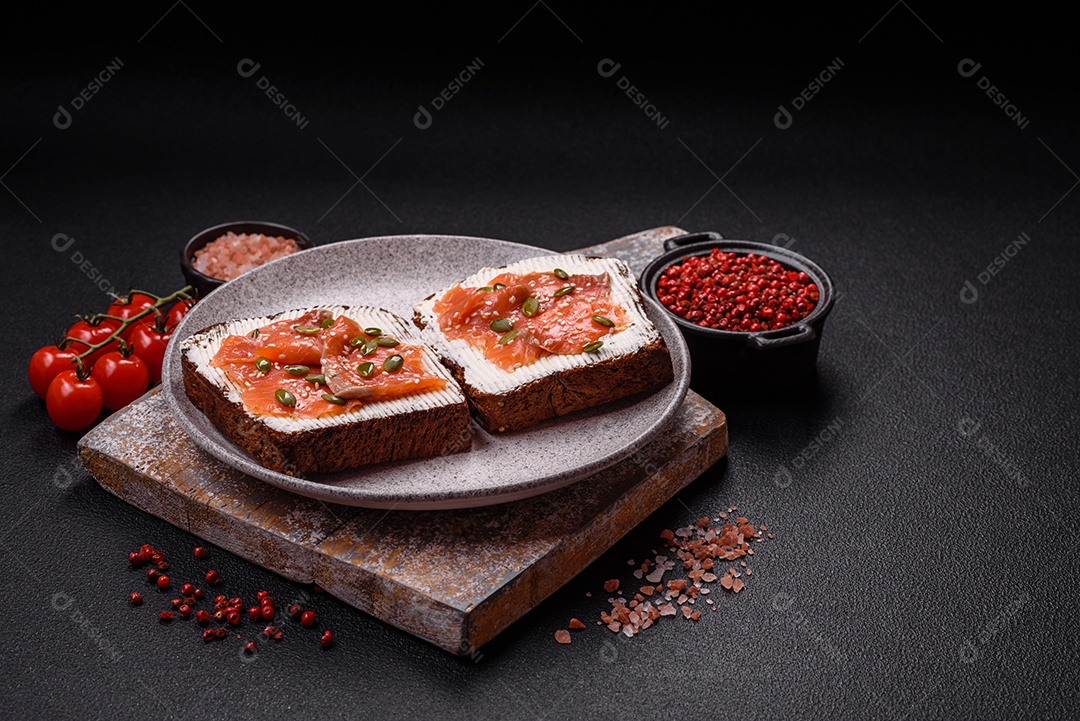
x,y
415,434
565,392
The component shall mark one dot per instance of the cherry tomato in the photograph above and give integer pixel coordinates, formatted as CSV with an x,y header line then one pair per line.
x,y
73,404
149,345
86,335
129,307
122,379
46,364
177,312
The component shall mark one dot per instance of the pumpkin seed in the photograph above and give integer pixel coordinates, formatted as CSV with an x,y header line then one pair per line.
x,y
306,329
502,325
497,286
485,289
285,398
370,346
592,347
255,333
561,274
508,337
393,363
387,342
297,370
606,322
366,369
530,307
326,322
565,290
263,365
331,398
357,341
316,378
376,332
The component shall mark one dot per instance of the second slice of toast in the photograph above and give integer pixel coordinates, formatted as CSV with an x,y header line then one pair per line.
x,y
632,360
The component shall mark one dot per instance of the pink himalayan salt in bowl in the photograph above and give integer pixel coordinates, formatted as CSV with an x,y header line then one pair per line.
x,y
237,247
233,254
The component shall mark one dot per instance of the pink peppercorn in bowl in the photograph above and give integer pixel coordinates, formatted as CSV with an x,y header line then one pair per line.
x,y
752,313
216,255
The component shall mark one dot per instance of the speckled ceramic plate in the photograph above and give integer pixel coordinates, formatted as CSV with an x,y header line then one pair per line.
x,y
395,272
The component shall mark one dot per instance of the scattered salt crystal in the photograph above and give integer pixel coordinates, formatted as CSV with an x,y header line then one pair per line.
x,y
693,548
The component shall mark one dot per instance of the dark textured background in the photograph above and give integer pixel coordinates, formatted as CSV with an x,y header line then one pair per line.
x,y
922,569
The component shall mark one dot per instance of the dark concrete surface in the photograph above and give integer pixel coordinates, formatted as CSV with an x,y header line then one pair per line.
x,y
923,492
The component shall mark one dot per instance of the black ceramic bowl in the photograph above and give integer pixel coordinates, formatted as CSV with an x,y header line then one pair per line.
x,y
204,283
743,364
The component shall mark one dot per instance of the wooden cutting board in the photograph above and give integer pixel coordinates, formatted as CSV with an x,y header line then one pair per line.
x,y
454,578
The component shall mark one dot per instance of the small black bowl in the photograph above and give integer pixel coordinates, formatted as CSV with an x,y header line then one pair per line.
x,y
729,363
204,283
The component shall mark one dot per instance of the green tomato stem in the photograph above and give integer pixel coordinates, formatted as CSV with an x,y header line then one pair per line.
x,y
125,323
